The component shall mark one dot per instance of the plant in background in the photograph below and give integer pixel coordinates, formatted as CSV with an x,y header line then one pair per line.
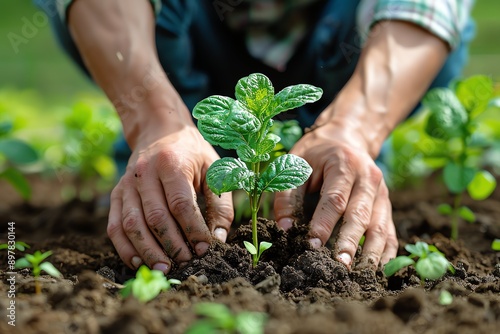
x,y
147,284
218,318
36,262
15,154
244,125
495,245
19,245
454,117
431,263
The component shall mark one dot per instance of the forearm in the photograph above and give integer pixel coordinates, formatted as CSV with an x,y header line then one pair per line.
x,y
396,67
116,41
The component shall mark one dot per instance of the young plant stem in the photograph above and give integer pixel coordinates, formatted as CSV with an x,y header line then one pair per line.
x,y
38,288
455,216
254,204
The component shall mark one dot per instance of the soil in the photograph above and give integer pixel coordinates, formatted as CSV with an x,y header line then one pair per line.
x,y
301,290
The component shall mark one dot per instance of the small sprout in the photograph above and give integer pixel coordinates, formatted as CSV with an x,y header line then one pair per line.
x,y
19,245
218,318
35,261
245,125
495,245
445,298
147,284
431,263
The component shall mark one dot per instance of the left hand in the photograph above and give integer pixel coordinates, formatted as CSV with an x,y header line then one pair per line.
x,y
350,185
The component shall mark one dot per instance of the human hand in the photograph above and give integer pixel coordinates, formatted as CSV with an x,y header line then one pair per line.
x,y
350,185
154,207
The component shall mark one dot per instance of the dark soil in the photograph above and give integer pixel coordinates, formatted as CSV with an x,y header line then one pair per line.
x,y
301,290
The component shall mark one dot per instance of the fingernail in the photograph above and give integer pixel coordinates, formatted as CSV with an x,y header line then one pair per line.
x,y
220,234
136,262
285,223
163,267
315,243
201,248
345,259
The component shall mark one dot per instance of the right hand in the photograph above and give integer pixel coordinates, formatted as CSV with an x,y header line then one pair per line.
x,y
154,216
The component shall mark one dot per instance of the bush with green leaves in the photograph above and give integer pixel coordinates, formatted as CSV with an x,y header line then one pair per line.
x,y
147,284
244,125
37,262
218,318
431,263
454,117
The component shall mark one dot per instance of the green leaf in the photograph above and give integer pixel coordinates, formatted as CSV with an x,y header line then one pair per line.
x,y
105,166
475,93
218,132
263,246
432,267
6,127
289,132
457,177
467,214
286,172
215,311
228,174
495,245
396,264
17,151
213,106
50,269
445,209
250,322
21,246
482,185
268,144
256,92
18,181
419,249
445,298
292,97
242,120
447,118
23,263
250,247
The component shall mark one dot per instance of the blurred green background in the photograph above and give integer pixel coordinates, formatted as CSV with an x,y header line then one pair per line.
x,y
41,65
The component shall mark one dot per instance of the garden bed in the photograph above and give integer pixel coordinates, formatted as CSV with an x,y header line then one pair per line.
x,y
301,290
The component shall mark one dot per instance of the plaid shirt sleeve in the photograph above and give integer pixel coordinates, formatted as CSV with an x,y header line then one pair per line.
x,y
63,6
444,18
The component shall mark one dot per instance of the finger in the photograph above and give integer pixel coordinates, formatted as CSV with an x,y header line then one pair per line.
x,y
287,206
376,234
334,196
358,214
181,200
219,213
120,241
392,244
160,221
138,233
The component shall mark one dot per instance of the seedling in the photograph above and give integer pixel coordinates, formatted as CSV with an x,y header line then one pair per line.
x,y
445,298
218,318
19,245
244,125
495,245
36,262
431,263
147,284
453,120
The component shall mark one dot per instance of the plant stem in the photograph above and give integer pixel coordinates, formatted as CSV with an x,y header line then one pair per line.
x,y
254,205
454,216
38,288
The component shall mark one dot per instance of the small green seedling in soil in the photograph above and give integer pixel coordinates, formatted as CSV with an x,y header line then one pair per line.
x,y
36,262
147,284
431,263
453,120
445,298
495,245
244,125
19,245
218,318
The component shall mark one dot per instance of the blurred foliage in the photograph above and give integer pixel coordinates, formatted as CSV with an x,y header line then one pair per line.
x,y
56,140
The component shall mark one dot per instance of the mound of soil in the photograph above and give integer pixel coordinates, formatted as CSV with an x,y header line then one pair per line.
x,y
301,290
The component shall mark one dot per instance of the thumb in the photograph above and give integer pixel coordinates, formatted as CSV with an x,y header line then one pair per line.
x,y
287,205
219,213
